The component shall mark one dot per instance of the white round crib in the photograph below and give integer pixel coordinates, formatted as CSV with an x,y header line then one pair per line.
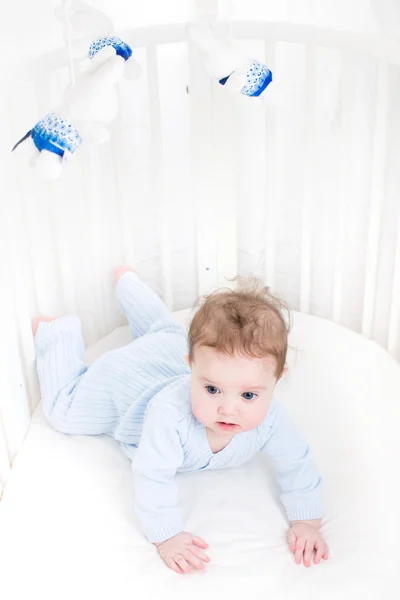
x,y
194,188
68,528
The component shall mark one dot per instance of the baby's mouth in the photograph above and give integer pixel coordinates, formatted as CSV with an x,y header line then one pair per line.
x,y
226,426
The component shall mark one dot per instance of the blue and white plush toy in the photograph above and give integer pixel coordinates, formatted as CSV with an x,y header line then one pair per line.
x,y
90,103
55,140
93,100
229,65
88,107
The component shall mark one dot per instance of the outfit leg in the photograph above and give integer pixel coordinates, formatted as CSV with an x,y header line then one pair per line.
x,y
74,398
144,310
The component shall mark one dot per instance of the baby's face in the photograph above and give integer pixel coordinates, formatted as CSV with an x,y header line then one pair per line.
x,y
231,394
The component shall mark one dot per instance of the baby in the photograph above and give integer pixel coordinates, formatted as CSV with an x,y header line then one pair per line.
x,y
173,412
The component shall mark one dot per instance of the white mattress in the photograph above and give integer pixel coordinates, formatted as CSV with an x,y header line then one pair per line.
x,y
68,530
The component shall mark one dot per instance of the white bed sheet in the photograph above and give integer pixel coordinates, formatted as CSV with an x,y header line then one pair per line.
x,y
68,530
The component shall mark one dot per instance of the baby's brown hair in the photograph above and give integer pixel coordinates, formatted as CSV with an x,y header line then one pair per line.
x,y
247,321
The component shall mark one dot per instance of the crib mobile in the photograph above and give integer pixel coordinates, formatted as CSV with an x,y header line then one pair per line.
x,y
90,102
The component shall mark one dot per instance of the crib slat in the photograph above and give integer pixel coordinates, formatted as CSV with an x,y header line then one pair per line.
x,y
157,152
200,91
57,222
377,195
201,142
154,103
121,161
33,291
308,195
6,291
347,91
224,160
394,316
44,264
14,407
338,270
273,169
14,236
5,468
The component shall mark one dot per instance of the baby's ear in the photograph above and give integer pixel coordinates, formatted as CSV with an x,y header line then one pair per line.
x,y
187,359
285,370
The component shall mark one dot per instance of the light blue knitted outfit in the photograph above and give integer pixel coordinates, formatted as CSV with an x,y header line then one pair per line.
x,y
141,393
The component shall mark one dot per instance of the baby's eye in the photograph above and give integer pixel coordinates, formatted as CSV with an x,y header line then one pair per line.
x,y
211,389
249,395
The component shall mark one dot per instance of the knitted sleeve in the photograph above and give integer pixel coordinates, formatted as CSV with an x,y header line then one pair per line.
x,y
159,456
297,476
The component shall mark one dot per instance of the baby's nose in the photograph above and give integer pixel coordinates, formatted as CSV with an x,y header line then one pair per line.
x,y
228,408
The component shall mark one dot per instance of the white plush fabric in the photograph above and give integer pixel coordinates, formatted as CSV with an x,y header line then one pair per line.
x,y
68,530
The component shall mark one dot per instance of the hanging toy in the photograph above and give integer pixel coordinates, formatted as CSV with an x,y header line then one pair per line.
x,y
226,62
93,100
90,104
119,46
55,139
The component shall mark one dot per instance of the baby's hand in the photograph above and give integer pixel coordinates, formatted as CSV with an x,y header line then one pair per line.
x,y
303,539
183,552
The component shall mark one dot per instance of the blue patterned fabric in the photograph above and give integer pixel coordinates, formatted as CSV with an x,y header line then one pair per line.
x,y
55,134
121,48
258,78
225,79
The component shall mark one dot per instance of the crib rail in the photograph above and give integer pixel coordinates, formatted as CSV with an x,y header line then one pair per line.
x,y
375,47
196,187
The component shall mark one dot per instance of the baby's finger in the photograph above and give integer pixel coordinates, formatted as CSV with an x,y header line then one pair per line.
x,y
292,540
193,560
172,565
326,553
320,548
182,563
200,554
198,541
299,551
309,549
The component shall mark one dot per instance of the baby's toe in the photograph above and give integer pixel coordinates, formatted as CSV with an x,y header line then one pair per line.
x,y
37,320
121,270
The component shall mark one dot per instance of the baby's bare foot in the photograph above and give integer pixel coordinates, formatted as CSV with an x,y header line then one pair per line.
x,y
121,270
36,322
